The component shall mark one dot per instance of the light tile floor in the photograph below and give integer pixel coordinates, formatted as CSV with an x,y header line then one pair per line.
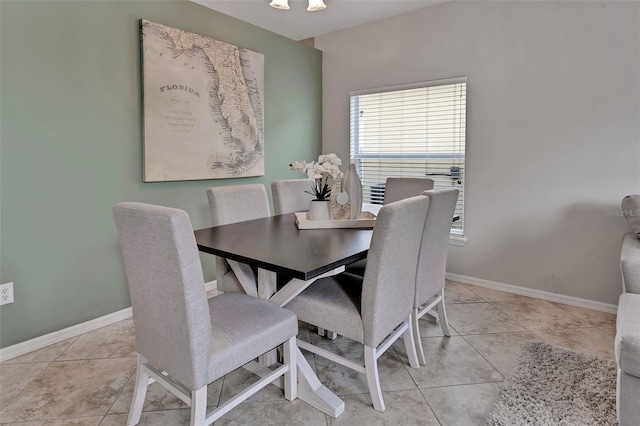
x,y
87,380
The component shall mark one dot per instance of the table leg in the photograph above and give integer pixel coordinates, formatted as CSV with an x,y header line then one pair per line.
x,y
267,281
295,287
314,393
266,289
310,389
244,273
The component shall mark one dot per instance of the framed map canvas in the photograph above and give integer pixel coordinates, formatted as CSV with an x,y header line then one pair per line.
x,y
203,106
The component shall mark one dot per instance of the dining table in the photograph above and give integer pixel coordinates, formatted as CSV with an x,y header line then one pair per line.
x,y
287,261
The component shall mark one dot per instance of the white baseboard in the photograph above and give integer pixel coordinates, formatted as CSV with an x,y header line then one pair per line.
x,y
73,331
85,327
211,285
64,334
537,294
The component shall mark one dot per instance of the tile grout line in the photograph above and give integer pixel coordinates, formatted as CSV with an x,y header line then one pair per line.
x,y
23,389
118,395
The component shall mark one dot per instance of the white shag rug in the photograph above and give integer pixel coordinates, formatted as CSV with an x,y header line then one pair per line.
x,y
555,386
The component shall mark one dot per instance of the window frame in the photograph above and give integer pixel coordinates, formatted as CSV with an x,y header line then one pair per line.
x,y
457,236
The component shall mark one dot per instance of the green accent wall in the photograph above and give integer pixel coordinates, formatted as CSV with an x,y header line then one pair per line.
x,y
71,147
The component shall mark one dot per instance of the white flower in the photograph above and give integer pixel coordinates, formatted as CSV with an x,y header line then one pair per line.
x,y
327,165
330,158
315,172
298,166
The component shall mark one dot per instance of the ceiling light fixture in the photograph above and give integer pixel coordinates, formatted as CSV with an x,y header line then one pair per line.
x,y
314,5
280,4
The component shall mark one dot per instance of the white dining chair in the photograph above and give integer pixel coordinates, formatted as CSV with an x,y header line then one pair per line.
x,y
432,262
231,204
395,189
291,195
185,341
374,310
404,187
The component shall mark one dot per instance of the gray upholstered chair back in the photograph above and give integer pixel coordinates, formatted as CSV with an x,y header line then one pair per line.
x,y
400,188
289,195
170,310
237,203
432,263
389,279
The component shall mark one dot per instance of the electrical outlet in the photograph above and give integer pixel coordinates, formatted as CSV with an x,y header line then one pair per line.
x,y
6,293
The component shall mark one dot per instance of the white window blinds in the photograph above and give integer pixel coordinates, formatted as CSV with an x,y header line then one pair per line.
x,y
415,130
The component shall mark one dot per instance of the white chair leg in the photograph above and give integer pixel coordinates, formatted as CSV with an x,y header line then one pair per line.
x,y
410,344
442,313
139,393
321,331
371,370
416,337
291,376
199,406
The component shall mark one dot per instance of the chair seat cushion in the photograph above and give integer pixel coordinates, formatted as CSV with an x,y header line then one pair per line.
x,y
332,303
244,327
627,345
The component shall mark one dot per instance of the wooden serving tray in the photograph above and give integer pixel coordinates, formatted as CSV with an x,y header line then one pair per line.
x,y
366,220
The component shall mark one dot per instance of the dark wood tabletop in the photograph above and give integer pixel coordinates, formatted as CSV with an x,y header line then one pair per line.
x,y
276,244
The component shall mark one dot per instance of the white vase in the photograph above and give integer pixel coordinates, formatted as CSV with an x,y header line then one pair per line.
x,y
319,210
353,187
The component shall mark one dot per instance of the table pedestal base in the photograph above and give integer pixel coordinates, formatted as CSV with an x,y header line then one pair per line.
x,y
310,390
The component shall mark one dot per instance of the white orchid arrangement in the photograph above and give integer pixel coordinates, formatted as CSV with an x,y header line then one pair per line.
x,y
320,171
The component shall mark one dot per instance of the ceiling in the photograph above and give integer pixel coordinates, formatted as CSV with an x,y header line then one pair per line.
x,y
298,24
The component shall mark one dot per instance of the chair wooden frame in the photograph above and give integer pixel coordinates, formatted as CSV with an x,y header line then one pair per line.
x,y
146,374
418,313
371,355
180,333
387,294
430,279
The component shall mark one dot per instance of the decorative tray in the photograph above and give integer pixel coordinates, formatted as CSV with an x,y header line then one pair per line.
x,y
366,220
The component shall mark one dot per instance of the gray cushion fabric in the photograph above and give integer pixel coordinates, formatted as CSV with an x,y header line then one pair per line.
x,y
177,329
389,280
289,195
244,327
237,203
401,188
630,263
388,286
628,401
170,311
627,344
395,189
631,211
231,204
226,280
432,262
332,303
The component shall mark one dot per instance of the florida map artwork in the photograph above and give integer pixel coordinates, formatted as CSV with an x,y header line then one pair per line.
x,y
203,106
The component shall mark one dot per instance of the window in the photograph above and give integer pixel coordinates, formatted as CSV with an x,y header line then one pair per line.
x,y
415,130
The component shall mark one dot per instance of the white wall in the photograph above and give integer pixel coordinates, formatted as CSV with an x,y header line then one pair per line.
x,y
553,127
